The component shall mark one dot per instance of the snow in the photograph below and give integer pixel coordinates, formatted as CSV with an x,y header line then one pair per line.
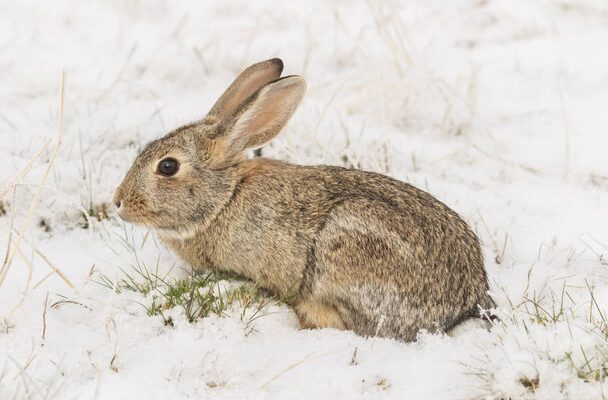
x,y
495,107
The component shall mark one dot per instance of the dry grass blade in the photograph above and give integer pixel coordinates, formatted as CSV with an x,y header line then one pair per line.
x,y
34,204
289,368
46,301
25,170
310,357
48,262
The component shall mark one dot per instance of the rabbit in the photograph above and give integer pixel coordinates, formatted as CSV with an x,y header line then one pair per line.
x,y
350,249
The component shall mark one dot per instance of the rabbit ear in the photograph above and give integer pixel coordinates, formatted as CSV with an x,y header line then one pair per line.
x,y
244,86
264,114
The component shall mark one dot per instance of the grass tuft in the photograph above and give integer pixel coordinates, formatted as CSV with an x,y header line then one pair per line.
x,y
549,336
197,295
97,211
529,383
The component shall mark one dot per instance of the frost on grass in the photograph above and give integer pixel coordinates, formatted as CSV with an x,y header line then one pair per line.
x,y
195,296
550,344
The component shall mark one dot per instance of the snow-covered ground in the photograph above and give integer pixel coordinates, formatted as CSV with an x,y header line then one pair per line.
x,y
498,108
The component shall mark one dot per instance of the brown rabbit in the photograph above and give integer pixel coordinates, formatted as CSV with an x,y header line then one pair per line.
x,y
351,249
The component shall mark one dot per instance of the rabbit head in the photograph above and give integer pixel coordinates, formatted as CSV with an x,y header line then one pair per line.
x,y
181,181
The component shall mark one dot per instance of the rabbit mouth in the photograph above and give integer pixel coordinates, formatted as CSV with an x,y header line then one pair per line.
x,y
152,219
134,217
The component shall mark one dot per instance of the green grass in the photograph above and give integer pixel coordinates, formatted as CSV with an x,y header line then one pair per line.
x,y
561,308
197,295
564,326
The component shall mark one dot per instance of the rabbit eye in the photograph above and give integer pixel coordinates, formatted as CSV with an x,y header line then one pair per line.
x,y
168,167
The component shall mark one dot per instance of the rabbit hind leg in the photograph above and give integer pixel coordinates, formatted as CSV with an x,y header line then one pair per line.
x,y
313,314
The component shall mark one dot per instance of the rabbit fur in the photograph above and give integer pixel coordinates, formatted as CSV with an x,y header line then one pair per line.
x,y
350,249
